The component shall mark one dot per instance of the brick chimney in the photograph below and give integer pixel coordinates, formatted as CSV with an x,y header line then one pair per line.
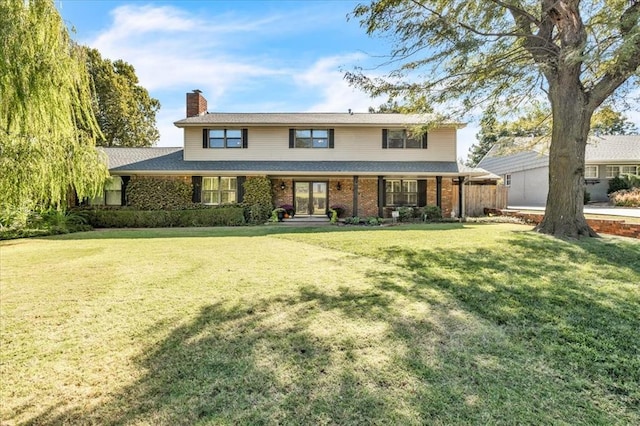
x,y
196,104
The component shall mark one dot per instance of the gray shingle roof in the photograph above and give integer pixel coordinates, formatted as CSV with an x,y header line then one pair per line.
x,y
310,118
600,149
170,160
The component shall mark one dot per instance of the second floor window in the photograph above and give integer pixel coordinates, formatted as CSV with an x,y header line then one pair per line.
x,y
224,138
402,138
310,138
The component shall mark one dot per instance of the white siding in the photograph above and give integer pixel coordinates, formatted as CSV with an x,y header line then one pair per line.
x,y
351,143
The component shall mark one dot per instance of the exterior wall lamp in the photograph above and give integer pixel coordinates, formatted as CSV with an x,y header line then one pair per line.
x,y
339,186
283,186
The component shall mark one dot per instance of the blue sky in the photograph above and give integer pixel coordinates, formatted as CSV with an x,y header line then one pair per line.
x,y
246,56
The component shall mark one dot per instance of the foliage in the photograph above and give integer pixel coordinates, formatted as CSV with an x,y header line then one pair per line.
x,y
374,221
432,212
288,208
355,220
626,197
333,216
608,121
276,214
587,196
132,218
461,55
23,224
258,199
46,100
406,214
340,209
150,193
616,184
124,110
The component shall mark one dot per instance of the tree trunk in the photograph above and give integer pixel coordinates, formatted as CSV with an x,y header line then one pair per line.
x,y
564,215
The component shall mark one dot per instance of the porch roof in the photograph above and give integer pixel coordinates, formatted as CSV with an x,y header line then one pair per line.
x,y
170,161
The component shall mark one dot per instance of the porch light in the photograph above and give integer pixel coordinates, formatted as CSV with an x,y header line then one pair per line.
x,y
283,186
339,187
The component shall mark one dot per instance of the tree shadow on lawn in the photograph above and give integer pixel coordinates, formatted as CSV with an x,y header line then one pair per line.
x,y
446,336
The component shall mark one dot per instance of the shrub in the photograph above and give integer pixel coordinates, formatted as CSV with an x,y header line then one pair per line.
x,y
616,184
586,197
132,218
152,193
626,198
374,221
406,214
352,220
258,199
431,213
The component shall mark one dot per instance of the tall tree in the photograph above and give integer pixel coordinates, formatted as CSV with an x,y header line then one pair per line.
x,y
45,101
125,111
497,52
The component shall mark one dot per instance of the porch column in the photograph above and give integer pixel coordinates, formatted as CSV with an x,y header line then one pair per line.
x,y
460,195
439,192
381,196
355,196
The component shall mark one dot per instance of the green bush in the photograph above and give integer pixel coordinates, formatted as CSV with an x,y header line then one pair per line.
x,y
133,218
151,193
22,224
406,214
616,184
258,199
431,213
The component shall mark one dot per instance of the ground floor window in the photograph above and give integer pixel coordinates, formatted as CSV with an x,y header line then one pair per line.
x,y
111,195
401,192
615,171
219,190
591,172
507,180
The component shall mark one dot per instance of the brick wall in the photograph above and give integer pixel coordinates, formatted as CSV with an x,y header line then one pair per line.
x,y
603,226
367,197
344,195
196,104
281,197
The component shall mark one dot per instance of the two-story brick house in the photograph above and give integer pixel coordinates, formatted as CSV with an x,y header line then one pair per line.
x,y
370,163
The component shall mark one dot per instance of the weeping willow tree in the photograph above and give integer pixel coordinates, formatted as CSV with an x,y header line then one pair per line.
x,y
499,53
44,101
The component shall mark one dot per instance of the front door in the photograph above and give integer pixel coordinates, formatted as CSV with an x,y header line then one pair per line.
x,y
311,198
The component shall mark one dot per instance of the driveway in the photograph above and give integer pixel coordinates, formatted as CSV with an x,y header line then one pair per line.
x,y
594,209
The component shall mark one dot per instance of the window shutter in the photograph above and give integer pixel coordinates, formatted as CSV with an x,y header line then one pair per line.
x,y
245,138
123,190
384,138
196,181
331,138
205,138
240,188
291,137
422,192
424,140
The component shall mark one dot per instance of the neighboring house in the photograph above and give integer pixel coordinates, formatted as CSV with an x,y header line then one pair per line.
x,y
369,163
526,171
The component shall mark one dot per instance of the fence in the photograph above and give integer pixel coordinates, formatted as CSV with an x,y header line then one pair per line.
x,y
479,197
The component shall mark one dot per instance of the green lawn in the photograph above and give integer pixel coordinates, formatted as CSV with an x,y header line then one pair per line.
x,y
422,324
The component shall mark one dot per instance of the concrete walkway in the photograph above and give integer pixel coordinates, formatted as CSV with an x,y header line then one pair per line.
x,y
593,209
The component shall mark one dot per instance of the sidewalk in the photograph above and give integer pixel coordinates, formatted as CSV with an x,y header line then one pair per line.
x,y
593,209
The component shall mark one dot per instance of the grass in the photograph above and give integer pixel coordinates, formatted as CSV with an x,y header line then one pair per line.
x,y
420,324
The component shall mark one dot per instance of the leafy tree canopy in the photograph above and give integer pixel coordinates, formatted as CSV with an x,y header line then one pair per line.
x,y
47,127
125,111
457,55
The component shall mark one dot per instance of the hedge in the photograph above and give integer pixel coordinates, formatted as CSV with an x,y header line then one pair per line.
x,y
131,218
151,193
